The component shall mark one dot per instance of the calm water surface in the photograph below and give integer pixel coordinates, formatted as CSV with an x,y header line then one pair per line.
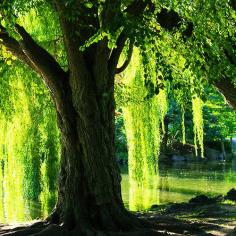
x,y
176,182
179,182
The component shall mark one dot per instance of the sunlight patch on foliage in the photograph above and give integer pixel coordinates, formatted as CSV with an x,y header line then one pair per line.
x,y
143,115
197,106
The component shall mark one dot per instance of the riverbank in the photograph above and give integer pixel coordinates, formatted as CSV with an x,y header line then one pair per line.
x,y
201,216
180,223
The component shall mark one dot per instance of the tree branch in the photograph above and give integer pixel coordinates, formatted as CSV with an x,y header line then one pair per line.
x,y
73,38
135,9
38,56
30,53
227,88
115,55
127,61
12,45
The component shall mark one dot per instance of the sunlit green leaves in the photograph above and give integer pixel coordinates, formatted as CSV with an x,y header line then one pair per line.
x,y
29,137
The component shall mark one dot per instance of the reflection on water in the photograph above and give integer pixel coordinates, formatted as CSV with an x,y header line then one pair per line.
x,y
176,182
143,196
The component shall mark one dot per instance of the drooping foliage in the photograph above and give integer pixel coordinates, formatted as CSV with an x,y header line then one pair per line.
x,y
29,144
144,110
29,134
218,119
198,125
193,52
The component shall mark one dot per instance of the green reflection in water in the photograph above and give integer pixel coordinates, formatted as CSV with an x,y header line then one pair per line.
x,y
142,196
176,183
139,195
179,182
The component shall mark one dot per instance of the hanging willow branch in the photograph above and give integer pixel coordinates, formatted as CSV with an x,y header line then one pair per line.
x,y
197,106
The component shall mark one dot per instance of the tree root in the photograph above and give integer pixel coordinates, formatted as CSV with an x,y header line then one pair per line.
x,y
50,230
22,232
55,230
154,226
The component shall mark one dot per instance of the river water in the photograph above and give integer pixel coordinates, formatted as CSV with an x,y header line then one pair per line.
x,y
176,182
179,182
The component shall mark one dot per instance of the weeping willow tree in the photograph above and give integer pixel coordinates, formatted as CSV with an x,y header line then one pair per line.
x,y
187,81
29,142
95,34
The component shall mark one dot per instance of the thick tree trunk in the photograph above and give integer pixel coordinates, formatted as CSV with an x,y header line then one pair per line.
x,y
89,194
